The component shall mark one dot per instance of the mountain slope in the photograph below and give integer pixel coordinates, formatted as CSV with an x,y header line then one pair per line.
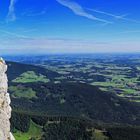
x,y
69,99
16,69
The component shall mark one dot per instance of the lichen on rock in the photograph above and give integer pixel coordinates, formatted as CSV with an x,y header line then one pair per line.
x,y
5,109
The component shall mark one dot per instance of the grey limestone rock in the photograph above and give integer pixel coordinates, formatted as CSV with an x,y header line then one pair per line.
x,y
5,109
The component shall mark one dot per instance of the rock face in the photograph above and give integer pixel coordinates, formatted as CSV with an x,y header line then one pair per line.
x,y
5,109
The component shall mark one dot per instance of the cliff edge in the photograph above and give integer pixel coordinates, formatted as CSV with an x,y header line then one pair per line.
x,y
5,109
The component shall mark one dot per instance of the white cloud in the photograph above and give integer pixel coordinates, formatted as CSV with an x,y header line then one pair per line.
x,y
30,13
15,35
130,31
11,13
48,45
78,10
121,17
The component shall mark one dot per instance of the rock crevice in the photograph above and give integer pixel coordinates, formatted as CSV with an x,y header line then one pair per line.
x,y
5,109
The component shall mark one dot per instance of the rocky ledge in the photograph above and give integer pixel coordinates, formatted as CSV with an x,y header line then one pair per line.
x,y
5,109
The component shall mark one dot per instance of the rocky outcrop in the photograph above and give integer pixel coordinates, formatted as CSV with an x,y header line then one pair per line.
x,y
5,109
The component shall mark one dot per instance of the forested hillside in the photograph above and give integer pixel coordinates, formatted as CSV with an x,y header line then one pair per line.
x,y
36,99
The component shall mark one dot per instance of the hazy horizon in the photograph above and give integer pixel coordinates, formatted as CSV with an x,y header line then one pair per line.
x,y
69,26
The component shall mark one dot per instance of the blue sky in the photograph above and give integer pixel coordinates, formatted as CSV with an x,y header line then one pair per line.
x,y
69,26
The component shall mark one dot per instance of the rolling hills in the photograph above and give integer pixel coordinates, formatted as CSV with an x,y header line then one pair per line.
x,y
36,97
71,98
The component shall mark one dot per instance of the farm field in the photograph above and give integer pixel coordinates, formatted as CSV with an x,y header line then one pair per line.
x,y
104,91
113,73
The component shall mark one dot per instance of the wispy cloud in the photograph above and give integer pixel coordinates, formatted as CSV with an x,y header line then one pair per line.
x,y
30,30
130,31
121,17
11,13
14,34
48,45
79,10
32,13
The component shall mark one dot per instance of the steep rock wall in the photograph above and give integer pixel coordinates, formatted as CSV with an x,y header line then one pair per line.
x,y
5,109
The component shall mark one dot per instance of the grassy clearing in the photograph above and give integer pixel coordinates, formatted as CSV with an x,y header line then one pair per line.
x,y
29,77
34,131
99,135
105,84
20,91
129,91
